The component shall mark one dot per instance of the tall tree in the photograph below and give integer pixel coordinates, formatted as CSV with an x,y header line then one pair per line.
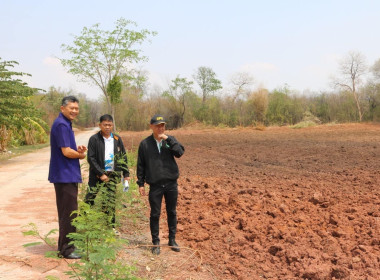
x,y
99,55
207,81
177,93
241,82
352,67
375,69
17,112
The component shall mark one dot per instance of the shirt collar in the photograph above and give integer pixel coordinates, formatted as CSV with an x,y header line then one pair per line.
x,y
108,139
62,116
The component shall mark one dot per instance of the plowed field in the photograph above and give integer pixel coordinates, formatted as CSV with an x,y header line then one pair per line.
x,y
281,203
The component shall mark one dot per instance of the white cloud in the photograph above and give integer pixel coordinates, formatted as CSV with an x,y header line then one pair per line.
x,y
53,61
265,74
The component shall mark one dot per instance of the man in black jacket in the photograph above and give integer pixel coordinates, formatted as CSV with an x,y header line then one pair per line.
x,y
157,167
108,161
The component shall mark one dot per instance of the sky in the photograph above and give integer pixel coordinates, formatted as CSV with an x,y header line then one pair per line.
x,y
284,42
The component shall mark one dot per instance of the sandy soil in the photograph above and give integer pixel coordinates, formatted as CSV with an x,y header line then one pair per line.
x,y
282,203
274,204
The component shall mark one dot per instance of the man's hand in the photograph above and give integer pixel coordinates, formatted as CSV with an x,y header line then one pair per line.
x,y
82,149
142,190
104,178
71,153
162,136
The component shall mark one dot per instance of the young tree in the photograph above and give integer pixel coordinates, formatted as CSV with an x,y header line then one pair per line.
x,y
352,68
207,81
99,55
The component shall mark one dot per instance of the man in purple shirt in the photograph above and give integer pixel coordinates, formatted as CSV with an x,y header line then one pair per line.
x,y
64,172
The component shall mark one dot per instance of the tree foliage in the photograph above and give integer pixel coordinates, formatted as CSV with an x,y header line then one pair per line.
x,y
20,121
114,89
207,81
375,69
176,96
97,55
49,104
241,81
240,105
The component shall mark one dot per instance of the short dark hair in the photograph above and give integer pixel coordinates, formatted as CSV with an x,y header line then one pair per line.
x,y
106,117
67,99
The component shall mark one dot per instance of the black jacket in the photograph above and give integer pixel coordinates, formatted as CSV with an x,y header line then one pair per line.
x,y
95,157
158,168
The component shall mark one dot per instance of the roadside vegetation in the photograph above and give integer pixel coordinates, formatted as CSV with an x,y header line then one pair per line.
x,y
95,239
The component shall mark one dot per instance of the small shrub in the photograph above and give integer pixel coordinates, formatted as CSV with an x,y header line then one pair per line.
x,y
303,124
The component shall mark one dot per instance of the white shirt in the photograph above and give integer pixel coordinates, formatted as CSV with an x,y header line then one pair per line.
x,y
159,145
108,153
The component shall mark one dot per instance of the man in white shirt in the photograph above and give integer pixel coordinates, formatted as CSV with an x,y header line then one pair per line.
x,y
108,161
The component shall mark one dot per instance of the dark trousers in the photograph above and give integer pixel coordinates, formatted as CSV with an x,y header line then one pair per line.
x,y
66,197
110,188
156,192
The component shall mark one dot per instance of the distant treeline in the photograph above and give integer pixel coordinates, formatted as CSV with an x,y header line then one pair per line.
x,y
26,114
257,108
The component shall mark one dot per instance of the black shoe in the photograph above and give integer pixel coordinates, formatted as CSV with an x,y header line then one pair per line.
x,y
73,256
156,250
173,245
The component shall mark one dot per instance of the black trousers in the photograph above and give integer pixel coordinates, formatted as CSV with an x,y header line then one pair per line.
x,y
66,195
110,187
156,193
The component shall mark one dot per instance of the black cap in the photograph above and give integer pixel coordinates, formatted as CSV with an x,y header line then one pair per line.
x,y
157,119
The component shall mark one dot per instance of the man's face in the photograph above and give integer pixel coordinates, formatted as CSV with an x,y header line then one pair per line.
x,y
158,128
106,127
71,110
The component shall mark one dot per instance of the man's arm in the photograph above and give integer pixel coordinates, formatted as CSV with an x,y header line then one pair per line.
x,y
141,169
91,157
62,135
175,147
70,153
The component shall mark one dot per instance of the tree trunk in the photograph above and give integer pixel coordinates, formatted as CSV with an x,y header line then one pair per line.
x,y
111,110
356,100
113,116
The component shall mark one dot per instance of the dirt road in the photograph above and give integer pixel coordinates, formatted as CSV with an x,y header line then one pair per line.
x,y
28,197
